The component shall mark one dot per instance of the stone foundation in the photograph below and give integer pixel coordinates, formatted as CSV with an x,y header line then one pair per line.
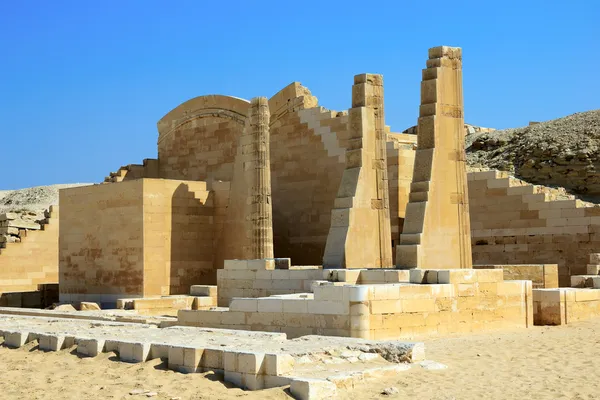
x,y
435,302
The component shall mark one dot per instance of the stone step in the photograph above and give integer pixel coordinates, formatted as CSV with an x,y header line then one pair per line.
x,y
585,281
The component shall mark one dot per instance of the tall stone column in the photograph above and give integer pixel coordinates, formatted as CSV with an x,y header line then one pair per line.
x,y
360,231
260,198
436,232
248,221
382,202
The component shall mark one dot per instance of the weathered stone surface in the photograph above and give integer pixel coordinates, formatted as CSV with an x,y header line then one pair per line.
x,y
436,232
88,306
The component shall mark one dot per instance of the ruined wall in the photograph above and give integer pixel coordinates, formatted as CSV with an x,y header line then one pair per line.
x,y
33,260
198,139
307,161
517,223
133,239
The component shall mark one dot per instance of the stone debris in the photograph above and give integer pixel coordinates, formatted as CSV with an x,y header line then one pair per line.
x,y
64,307
135,392
35,199
390,391
88,306
230,352
432,365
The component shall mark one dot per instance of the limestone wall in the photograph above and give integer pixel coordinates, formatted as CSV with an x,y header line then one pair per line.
x,y
401,160
198,139
541,275
565,305
516,223
435,303
137,238
29,252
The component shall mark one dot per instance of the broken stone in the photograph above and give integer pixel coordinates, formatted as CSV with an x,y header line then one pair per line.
x,y
390,391
88,306
64,307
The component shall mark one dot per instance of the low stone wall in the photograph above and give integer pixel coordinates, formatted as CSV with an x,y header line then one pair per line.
x,y
565,305
541,275
437,302
253,279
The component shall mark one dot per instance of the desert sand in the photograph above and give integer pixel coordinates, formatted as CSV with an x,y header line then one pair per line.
x,y
536,363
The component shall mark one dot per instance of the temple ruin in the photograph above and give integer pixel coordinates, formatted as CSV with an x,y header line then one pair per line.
x,y
283,217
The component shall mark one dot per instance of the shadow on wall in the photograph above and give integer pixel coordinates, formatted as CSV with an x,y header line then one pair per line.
x,y
191,260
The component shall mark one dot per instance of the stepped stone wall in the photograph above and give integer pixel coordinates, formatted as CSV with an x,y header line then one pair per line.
x,y
517,223
198,140
28,250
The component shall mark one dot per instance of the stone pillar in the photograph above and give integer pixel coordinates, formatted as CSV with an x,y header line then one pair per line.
x,y
260,198
248,221
436,232
360,231
374,100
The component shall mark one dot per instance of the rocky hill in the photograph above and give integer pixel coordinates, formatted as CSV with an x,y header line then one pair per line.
x,y
563,152
35,199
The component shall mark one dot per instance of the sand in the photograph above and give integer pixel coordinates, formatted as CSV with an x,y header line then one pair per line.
x,y
537,363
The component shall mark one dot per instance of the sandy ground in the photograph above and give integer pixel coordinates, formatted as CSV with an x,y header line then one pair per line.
x,y
538,363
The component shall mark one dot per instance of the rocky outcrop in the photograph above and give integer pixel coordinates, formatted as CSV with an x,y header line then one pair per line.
x,y
563,152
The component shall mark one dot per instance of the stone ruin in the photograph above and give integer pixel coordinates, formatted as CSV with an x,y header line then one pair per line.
x,y
278,215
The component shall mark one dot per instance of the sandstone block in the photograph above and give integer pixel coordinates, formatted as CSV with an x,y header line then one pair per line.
x,y
278,364
90,347
203,290
88,306
16,339
244,305
312,389
270,305
250,363
134,352
51,342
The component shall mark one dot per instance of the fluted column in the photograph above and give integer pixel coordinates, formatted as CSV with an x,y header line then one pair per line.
x,y
260,198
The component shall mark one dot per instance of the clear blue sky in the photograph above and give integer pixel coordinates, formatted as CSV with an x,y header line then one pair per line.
x,y
83,83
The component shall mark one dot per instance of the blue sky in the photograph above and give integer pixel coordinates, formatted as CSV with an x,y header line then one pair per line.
x,y
83,83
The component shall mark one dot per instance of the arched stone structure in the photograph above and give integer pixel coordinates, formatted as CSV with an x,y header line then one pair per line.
x,y
197,140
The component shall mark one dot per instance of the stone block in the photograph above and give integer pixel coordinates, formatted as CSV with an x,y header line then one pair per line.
x,y
134,352
235,264
593,269
312,389
278,364
250,363
213,359
261,264
16,339
276,381
421,276
51,342
90,347
243,304
192,358
358,293
270,305
203,290
418,305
